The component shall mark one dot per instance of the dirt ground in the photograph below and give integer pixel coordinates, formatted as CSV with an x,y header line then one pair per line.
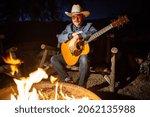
x,y
137,89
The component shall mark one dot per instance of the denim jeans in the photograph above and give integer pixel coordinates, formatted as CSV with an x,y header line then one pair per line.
x,y
59,65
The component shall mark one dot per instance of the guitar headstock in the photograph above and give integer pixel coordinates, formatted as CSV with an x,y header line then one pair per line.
x,y
120,21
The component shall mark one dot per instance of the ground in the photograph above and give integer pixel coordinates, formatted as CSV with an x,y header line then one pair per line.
x,y
136,89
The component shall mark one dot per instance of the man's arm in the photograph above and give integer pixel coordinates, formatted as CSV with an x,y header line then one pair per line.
x,y
64,36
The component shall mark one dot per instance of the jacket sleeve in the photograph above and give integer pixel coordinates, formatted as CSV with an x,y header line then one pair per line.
x,y
65,35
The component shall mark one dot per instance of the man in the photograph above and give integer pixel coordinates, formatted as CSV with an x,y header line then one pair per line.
x,y
78,29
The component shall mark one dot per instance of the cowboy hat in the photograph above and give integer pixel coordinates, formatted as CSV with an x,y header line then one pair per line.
x,y
76,9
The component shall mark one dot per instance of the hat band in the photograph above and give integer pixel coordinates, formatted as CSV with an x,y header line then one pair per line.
x,y
75,12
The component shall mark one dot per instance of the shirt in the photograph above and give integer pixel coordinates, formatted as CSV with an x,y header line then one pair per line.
x,y
85,30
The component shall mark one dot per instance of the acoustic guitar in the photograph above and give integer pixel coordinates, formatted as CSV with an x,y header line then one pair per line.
x,y
82,47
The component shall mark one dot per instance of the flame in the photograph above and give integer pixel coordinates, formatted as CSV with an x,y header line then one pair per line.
x,y
72,97
60,92
14,69
53,79
13,63
56,91
24,85
11,60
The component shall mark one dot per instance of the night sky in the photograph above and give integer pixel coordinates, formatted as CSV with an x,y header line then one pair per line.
x,y
49,10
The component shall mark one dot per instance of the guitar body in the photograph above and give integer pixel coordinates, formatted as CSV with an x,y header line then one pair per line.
x,y
80,49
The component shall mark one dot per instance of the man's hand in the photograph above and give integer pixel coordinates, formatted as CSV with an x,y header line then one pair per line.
x,y
74,34
72,43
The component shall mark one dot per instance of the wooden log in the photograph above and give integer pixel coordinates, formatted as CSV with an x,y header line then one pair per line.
x,y
114,50
43,58
46,49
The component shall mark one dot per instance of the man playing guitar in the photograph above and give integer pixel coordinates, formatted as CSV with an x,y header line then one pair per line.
x,y
72,40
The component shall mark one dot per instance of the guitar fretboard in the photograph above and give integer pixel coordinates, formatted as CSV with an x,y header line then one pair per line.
x,y
100,32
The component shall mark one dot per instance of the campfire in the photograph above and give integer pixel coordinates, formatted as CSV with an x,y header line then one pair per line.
x,y
37,87
13,62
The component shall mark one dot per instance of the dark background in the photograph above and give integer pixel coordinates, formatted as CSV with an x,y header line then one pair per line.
x,y
49,10
26,24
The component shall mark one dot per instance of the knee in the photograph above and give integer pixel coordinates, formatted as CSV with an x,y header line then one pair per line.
x,y
84,59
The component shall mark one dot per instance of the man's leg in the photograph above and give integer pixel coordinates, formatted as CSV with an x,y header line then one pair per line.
x,y
59,65
84,65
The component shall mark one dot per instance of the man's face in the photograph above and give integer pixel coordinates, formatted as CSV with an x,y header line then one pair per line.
x,y
77,19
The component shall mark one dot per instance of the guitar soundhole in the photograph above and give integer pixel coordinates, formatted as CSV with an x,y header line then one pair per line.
x,y
79,48
77,52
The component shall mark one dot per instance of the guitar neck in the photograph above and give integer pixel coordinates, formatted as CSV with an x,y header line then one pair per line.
x,y
100,32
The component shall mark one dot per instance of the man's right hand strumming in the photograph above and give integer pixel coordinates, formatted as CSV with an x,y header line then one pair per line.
x,y
72,43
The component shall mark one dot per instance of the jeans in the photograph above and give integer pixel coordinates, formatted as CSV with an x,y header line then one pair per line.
x,y
59,65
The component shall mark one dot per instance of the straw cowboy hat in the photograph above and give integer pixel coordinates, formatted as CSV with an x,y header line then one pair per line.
x,y
76,9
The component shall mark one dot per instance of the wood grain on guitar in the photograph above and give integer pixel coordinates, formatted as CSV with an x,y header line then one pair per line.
x,y
82,48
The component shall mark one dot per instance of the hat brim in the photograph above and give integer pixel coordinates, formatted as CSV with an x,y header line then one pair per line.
x,y
85,13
